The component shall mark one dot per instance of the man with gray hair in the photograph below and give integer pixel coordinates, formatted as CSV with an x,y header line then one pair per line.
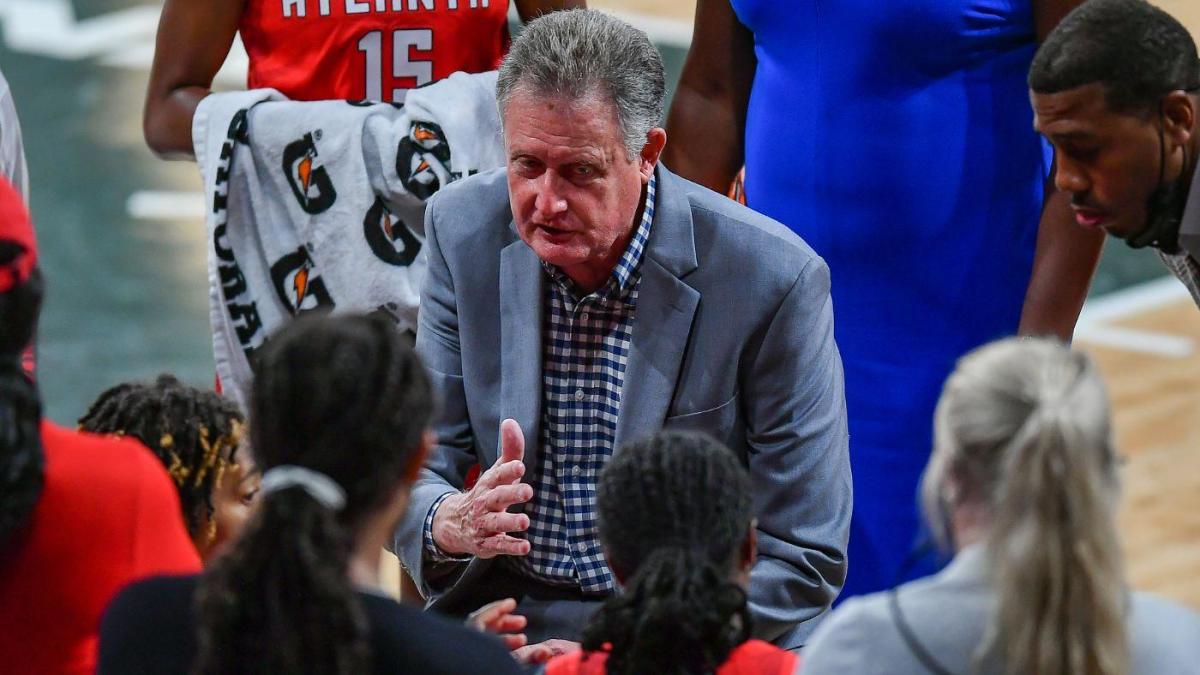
x,y
585,297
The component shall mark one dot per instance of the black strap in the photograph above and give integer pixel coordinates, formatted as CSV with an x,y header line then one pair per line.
x,y
910,638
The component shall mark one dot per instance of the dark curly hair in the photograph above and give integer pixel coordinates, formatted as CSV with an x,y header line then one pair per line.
x,y
195,434
674,511
1136,50
22,459
344,396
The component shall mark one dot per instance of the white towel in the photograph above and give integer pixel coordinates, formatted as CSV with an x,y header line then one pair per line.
x,y
321,204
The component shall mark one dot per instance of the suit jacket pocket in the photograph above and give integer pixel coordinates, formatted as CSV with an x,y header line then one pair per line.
x,y
723,422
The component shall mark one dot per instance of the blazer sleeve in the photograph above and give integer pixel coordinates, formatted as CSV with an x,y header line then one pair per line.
x,y
453,455
798,443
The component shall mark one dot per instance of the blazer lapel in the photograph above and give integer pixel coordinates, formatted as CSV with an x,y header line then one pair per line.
x,y
666,307
521,300
665,310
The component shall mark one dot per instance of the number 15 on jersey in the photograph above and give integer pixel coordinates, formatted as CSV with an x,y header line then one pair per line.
x,y
408,46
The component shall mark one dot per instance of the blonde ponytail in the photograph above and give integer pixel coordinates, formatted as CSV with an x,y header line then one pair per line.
x,y
1023,433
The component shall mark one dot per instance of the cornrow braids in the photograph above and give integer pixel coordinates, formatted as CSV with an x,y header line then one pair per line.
x,y
347,397
194,433
22,458
674,511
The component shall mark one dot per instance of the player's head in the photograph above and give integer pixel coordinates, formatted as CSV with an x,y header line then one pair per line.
x,y
676,521
21,457
1114,90
339,409
1023,464
581,99
195,434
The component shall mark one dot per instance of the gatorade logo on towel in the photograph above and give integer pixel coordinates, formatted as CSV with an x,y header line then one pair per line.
x,y
297,284
390,239
423,160
309,180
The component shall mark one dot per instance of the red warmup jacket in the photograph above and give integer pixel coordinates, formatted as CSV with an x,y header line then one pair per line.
x,y
108,514
753,657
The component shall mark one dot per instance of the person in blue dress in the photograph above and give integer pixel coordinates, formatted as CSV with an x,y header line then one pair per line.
x,y
896,138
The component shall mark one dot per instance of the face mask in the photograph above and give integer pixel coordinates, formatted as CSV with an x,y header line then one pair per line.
x,y
1164,209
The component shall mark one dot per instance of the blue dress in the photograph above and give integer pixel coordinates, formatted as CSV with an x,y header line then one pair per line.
x,y
895,137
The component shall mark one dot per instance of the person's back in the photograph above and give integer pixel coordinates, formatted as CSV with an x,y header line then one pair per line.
x,y
80,516
675,515
948,615
339,412
753,657
107,515
150,629
1023,487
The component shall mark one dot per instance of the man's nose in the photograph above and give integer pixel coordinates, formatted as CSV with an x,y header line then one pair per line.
x,y
1069,178
550,201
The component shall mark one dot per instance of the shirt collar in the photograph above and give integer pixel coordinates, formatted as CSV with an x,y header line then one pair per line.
x,y
624,276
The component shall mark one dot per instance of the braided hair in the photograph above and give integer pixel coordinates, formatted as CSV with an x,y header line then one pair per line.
x,y
22,459
674,512
344,396
195,433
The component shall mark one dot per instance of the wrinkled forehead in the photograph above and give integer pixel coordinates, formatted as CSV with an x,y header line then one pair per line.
x,y
548,121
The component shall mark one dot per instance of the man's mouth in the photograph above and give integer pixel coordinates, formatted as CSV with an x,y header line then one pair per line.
x,y
1089,218
554,232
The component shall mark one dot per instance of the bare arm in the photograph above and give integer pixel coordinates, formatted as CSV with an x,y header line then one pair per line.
x,y
529,10
1066,254
707,122
1063,265
194,37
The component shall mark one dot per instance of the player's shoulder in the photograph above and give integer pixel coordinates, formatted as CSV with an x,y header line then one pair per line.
x,y
119,467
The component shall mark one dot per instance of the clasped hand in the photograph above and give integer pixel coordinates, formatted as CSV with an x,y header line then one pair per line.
x,y
477,522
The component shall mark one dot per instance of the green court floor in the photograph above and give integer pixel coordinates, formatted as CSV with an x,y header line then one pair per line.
x,y
127,291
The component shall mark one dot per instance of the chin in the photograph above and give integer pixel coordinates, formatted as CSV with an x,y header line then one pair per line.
x,y
1121,230
557,254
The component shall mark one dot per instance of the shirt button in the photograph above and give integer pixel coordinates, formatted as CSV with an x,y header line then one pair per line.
x,y
581,547
575,470
584,316
579,394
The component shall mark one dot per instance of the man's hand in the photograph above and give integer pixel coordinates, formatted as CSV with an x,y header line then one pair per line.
x,y
477,522
498,618
544,651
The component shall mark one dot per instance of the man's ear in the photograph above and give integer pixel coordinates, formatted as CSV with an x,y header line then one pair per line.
x,y
1179,117
656,140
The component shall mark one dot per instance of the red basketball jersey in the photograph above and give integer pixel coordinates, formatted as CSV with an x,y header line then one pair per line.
x,y
369,49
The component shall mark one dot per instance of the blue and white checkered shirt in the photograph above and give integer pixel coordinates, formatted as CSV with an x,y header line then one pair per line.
x,y
585,348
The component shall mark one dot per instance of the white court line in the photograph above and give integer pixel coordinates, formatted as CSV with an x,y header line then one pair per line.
x,y
165,205
1137,299
1141,341
1130,302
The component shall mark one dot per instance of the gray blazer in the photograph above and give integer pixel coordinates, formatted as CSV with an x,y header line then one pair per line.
x,y
949,614
733,336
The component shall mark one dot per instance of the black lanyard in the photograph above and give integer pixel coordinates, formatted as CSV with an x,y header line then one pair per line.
x,y
910,638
